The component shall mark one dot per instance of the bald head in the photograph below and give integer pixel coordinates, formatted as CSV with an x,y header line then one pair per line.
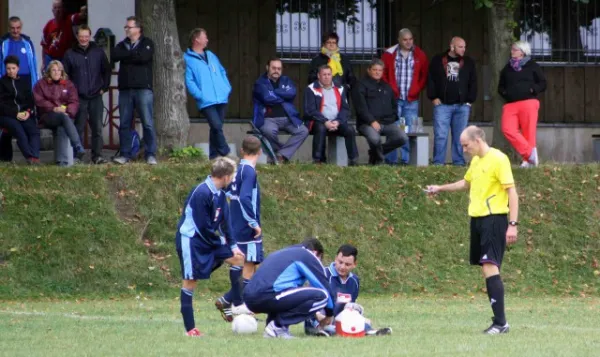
x,y
473,132
458,46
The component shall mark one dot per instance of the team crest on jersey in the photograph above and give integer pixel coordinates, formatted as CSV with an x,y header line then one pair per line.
x,y
343,298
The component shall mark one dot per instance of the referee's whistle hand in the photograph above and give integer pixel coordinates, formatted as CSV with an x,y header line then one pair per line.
x,y
511,235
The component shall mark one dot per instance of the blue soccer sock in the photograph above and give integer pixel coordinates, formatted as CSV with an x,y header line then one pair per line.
x,y
235,277
187,310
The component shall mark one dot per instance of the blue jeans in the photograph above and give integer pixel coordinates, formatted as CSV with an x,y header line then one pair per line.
x,y
410,111
217,144
449,119
143,101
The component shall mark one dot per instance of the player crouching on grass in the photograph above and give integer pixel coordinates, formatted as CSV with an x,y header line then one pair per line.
x,y
244,195
344,286
277,288
203,240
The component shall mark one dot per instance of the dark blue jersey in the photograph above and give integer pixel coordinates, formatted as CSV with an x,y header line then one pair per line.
x,y
244,194
289,268
206,216
343,290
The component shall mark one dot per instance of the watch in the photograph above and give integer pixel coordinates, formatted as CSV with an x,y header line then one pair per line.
x,y
513,223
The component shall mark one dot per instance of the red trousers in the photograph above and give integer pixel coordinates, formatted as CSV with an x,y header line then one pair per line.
x,y
519,125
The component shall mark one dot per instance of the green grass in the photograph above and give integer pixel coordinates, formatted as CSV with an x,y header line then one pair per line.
x,y
109,231
422,327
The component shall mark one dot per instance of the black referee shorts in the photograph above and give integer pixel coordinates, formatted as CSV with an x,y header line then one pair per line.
x,y
488,239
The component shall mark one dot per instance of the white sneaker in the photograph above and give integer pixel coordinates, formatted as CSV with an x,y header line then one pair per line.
x,y
151,160
525,165
533,158
272,331
241,310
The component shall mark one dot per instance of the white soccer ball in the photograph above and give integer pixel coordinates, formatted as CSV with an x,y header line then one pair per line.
x,y
244,324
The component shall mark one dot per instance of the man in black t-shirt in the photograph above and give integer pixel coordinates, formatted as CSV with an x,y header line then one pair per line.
x,y
452,87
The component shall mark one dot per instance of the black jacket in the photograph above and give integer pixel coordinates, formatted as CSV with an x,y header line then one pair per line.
x,y
135,71
88,69
525,84
437,80
15,96
347,79
374,101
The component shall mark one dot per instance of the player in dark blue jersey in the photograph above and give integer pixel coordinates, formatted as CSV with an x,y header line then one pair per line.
x,y
203,240
244,207
345,287
277,288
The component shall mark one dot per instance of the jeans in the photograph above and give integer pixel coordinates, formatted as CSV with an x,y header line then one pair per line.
x,y
27,135
449,119
408,111
217,144
143,101
320,134
92,107
55,121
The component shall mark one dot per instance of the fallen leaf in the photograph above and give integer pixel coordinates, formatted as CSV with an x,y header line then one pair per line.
x,y
92,267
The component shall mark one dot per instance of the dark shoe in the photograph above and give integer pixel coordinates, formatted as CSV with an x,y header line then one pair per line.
x,y
225,308
80,155
352,162
495,329
380,332
282,159
99,160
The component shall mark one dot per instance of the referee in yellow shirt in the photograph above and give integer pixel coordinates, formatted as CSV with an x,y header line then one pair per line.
x,y
492,195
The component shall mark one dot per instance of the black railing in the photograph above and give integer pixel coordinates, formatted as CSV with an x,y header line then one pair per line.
x,y
364,27
562,31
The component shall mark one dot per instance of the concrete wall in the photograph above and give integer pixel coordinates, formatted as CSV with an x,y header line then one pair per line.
x,y
554,144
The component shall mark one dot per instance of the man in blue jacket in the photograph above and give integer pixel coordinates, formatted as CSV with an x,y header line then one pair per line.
x,y
274,110
89,69
203,239
17,44
277,288
327,111
206,80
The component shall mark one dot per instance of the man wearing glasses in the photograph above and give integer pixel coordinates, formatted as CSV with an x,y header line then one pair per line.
x,y
135,53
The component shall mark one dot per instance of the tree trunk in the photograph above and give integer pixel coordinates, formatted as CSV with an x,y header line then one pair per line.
x,y
500,41
172,121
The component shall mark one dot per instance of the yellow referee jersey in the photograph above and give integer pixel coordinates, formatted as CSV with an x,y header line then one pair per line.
x,y
489,177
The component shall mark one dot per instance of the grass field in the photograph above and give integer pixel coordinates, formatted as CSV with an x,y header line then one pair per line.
x,y
422,327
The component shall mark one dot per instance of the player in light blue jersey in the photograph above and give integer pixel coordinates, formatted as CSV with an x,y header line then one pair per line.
x,y
244,206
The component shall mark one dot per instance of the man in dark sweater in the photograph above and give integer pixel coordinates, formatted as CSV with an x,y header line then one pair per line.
x,y
89,69
376,113
452,87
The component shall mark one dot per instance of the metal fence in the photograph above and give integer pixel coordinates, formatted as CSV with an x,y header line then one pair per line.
x,y
365,27
562,31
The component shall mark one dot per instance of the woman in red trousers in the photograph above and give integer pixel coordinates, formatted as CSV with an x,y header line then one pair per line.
x,y
521,81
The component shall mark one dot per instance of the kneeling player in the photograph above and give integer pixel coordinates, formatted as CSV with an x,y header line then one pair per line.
x,y
244,194
277,288
345,287
203,241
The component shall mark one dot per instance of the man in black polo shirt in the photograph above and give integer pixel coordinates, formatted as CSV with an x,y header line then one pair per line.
x,y
377,113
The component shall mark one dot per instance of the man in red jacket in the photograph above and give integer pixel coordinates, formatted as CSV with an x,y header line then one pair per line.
x,y
58,35
405,70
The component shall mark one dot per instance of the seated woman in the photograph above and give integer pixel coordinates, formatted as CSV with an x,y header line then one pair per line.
x,y
16,107
57,102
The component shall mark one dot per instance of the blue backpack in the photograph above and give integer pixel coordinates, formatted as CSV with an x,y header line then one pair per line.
x,y
135,143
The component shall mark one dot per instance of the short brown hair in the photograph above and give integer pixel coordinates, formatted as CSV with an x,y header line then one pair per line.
x,y
222,167
251,145
138,22
84,27
323,67
272,59
195,33
376,62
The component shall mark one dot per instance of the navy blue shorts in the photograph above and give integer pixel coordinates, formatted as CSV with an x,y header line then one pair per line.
x,y
253,251
199,259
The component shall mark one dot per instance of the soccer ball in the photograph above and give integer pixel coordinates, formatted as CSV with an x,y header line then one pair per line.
x,y
244,324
